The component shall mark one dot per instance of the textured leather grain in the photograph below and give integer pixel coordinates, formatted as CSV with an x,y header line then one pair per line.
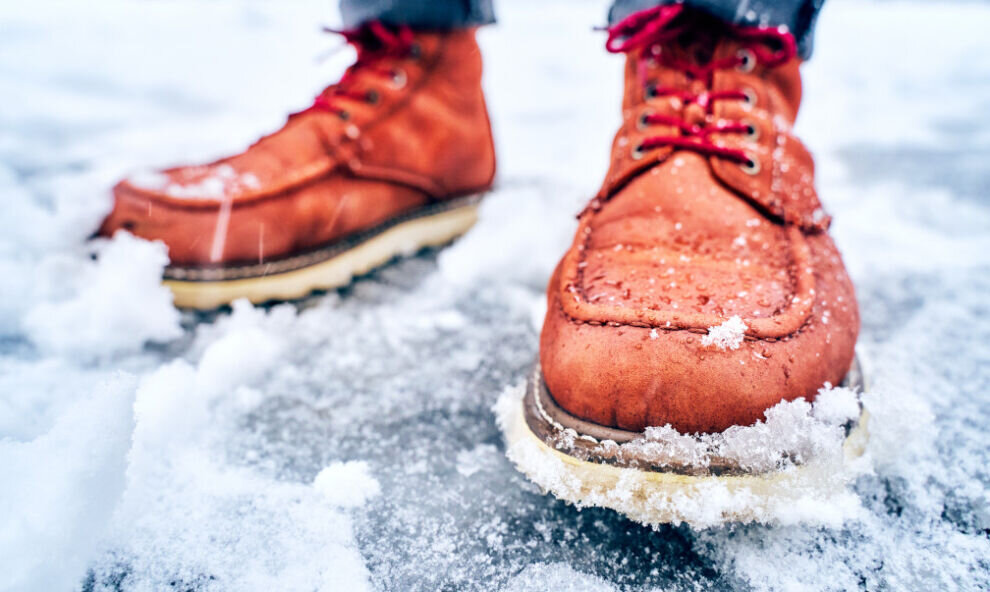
x,y
678,242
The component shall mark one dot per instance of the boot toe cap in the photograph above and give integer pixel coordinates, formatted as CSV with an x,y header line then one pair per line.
x,y
635,377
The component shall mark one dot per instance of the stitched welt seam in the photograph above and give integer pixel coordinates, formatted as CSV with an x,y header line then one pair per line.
x,y
694,330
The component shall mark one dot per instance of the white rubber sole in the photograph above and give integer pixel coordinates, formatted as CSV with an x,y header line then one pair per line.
x,y
404,238
655,498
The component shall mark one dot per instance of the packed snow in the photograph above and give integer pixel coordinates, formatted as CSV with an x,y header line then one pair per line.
x,y
805,453
347,441
791,433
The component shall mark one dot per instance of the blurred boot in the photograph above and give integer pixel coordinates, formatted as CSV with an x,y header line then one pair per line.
x,y
392,158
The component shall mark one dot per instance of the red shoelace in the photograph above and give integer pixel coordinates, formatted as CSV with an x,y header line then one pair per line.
x,y
375,43
649,30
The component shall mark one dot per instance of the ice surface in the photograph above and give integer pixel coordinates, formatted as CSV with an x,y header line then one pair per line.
x,y
228,456
556,576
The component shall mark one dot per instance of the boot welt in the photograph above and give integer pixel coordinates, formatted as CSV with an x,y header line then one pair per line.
x,y
565,456
328,266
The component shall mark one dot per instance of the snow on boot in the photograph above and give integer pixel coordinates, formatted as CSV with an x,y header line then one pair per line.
x,y
702,305
392,158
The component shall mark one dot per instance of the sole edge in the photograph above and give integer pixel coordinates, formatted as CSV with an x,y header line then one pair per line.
x,y
403,239
658,497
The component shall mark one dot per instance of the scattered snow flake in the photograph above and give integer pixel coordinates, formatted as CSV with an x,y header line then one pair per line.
x,y
728,335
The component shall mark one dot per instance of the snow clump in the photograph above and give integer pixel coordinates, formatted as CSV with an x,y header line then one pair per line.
x,y
728,335
347,484
117,305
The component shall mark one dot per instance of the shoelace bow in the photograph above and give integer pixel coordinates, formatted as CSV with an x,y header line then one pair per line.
x,y
375,43
651,29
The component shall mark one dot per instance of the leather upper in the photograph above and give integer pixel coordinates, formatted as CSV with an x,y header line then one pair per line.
x,y
783,187
676,243
422,134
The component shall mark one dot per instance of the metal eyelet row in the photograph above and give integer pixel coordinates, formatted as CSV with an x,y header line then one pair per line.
x,y
373,97
750,167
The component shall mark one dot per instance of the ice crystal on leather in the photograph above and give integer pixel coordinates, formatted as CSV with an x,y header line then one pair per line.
x,y
728,335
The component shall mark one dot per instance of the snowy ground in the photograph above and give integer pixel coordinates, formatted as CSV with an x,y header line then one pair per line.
x,y
348,442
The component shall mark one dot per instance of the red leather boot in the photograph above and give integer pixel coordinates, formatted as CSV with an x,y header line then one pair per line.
x,y
392,158
702,287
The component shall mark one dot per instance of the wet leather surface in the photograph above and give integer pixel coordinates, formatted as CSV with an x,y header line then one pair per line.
x,y
678,242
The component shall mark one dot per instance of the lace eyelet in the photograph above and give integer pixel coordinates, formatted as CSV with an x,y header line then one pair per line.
x,y
344,115
399,79
641,123
651,91
751,166
372,97
752,130
747,60
415,51
750,101
637,152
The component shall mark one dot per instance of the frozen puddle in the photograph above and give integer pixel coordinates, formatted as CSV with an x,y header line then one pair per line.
x,y
348,442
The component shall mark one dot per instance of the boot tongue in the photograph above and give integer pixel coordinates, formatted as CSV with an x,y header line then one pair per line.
x,y
366,41
701,37
698,61
702,54
699,45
